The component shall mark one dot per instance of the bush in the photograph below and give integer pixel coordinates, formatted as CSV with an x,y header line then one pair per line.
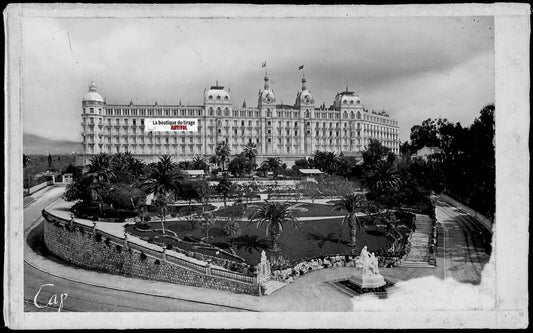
x,y
143,256
98,237
142,226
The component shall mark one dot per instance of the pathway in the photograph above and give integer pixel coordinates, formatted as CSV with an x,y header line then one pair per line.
x,y
420,243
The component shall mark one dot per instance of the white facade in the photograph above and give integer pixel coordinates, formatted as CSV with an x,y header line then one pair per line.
x,y
288,131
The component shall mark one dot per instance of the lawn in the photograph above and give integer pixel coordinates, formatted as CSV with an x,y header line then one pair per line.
x,y
316,238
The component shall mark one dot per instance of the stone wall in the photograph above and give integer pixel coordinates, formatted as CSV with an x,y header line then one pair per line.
x,y
82,248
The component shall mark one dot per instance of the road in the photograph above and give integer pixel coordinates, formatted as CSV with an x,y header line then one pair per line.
x,y
80,296
467,243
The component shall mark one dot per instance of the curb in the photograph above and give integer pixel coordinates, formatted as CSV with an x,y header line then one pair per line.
x,y
37,222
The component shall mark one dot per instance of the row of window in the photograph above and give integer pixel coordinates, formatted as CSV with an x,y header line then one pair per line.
x,y
237,113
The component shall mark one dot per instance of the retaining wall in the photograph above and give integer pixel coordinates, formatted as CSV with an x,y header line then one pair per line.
x,y
83,247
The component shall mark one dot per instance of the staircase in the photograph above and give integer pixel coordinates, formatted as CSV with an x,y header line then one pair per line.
x,y
419,255
272,285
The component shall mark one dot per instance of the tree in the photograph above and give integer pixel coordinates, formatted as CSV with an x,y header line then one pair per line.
x,y
207,222
25,160
250,152
326,161
424,135
198,163
382,178
225,188
239,165
188,191
272,164
250,191
100,168
232,229
350,204
274,215
222,150
204,191
49,161
161,202
374,153
163,177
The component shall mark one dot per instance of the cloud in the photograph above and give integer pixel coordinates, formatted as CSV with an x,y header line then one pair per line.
x,y
399,64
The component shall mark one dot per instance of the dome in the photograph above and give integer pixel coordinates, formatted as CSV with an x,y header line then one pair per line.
x,y
304,96
350,100
93,95
267,95
217,93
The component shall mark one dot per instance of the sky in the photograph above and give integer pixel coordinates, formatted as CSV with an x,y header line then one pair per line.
x,y
413,67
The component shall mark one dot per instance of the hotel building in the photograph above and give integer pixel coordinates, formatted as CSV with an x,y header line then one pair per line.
x,y
288,131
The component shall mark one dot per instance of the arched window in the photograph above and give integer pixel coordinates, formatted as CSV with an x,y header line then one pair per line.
x,y
358,115
351,102
210,97
226,112
358,102
218,111
218,97
226,98
210,111
351,115
345,115
268,112
307,114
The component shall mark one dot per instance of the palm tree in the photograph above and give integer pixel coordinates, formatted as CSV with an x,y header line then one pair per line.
x,y
350,204
383,178
100,175
163,177
222,150
274,215
162,203
272,164
207,222
326,161
198,163
250,151
162,182
100,168
231,229
226,188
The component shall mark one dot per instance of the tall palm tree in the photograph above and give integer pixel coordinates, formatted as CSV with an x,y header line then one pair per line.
x,y
250,152
162,178
383,178
274,215
222,150
350,204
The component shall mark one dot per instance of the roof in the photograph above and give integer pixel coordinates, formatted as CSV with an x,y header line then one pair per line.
x,y
194,172
433,150
310,171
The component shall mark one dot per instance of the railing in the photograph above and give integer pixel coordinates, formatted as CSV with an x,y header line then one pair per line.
x,y
233,275
169,256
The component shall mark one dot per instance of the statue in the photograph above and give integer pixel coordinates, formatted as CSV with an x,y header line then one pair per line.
x,y
367,273
374,263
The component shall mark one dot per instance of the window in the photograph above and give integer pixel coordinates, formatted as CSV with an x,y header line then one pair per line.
x,y
91,110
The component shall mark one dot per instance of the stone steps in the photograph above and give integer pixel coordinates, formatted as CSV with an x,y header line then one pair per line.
x,y
272,285
415,264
